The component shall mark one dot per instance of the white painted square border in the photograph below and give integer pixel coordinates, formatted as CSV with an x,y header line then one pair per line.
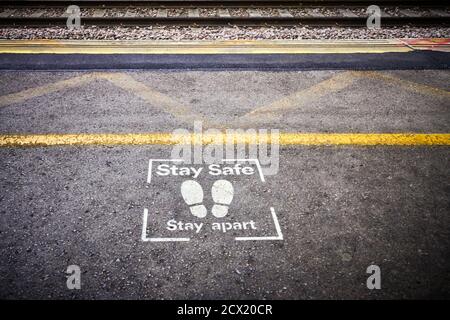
x,y
144,237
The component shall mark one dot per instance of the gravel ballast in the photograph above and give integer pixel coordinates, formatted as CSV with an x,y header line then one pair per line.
x,y
210,12
220,33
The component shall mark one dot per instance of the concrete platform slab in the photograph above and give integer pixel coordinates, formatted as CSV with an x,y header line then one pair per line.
x,y
281,55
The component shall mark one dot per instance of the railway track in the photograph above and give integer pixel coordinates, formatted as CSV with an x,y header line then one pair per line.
x,y
346,13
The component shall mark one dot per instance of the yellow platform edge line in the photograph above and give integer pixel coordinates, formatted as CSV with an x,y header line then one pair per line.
x,y
284,139
216,47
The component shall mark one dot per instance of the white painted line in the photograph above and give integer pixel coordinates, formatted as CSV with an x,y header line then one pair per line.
x,y
149,175
144,225
167,159
277,224
279,235
144,232
258,165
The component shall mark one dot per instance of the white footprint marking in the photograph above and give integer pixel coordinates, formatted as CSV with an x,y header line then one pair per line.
x,y
222,193
192,193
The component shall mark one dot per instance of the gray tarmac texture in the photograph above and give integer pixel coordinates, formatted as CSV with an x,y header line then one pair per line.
x,y
340,209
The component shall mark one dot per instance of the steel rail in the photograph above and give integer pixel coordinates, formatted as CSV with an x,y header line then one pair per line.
x,y
260,20
222,3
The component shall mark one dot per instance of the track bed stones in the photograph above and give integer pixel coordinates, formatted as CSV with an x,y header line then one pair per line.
x,y
221,33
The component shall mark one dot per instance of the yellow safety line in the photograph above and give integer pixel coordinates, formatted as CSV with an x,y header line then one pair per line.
x,y
202,47
306,139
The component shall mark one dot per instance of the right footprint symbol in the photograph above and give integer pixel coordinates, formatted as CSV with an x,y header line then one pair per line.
x,y
222,193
